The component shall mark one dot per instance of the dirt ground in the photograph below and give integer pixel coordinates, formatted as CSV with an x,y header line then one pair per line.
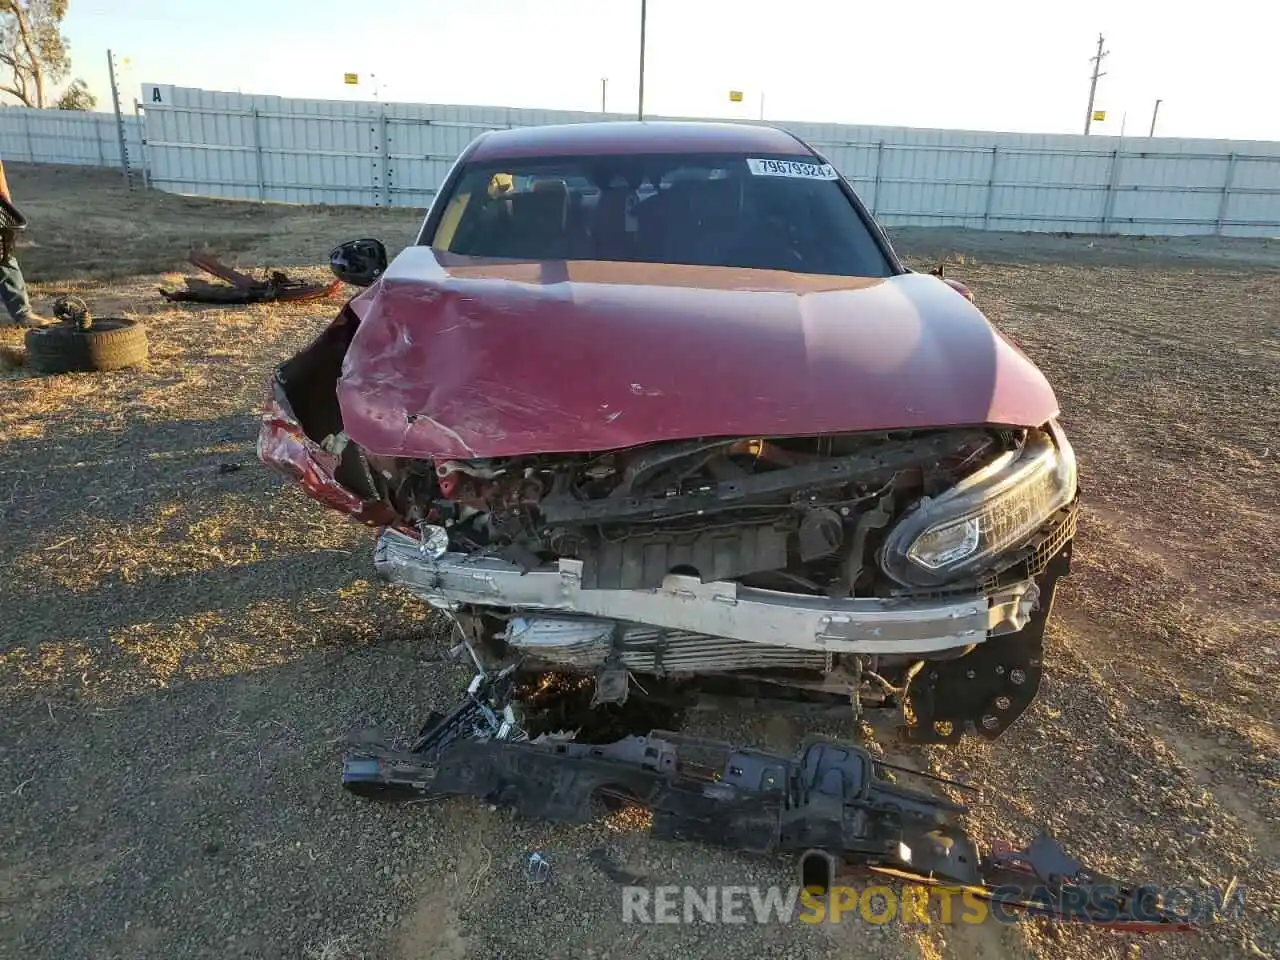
x,y
185,640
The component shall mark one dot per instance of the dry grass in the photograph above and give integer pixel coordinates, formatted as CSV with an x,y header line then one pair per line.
x,y
181,627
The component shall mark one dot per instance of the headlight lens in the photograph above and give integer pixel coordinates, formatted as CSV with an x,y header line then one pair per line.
x,y
993,510
942,546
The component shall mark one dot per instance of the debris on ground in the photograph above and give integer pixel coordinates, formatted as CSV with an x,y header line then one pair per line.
x,y
538,869
832,800
80,342
241,288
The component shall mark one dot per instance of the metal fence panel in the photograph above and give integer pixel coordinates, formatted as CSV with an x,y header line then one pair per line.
x,y
67,136
266,148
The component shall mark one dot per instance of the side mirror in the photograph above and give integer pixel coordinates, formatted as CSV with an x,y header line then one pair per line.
x,y
358,262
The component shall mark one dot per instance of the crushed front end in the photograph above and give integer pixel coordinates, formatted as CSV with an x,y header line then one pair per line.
x,y
908,570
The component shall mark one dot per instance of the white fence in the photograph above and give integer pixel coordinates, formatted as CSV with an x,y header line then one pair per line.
x,y
396,154
67,136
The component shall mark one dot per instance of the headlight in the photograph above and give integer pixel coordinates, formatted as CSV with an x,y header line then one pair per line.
x,y
988,512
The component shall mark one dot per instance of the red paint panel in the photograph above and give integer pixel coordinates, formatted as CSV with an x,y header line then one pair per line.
x,y
284,446
480,359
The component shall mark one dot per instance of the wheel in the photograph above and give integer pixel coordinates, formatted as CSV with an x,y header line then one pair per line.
x,y
109,344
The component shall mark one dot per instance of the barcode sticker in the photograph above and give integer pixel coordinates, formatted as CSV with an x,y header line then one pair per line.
x,y
792,168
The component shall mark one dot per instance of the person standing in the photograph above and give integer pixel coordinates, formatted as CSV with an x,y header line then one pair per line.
x,y
13,288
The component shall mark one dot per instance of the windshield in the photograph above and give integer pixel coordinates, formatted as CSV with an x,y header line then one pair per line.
x,y
772,213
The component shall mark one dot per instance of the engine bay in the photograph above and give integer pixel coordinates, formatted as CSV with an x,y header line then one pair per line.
x,y
803,515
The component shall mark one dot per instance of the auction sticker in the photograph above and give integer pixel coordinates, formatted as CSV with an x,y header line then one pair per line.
x,y
792,168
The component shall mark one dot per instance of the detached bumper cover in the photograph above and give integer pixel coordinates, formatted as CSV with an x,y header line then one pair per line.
x,y
833,799
719,609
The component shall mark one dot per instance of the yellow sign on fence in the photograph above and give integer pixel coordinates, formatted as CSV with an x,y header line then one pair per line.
x,y
735,96
351,78
1099,115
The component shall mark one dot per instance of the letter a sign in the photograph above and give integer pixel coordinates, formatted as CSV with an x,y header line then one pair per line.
x,y
157,94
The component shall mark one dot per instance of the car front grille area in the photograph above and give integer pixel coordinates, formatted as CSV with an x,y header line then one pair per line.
x,y
589,643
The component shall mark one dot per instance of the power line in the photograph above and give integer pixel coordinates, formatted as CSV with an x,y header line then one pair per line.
x,y
640,103
1093,82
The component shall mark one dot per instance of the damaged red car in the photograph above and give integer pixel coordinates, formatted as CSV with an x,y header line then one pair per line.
x,y
657,403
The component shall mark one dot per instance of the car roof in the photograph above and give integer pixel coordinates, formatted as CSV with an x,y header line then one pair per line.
x,y
636,137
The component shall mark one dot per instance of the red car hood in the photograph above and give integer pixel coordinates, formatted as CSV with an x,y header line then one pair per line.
x,y
457,358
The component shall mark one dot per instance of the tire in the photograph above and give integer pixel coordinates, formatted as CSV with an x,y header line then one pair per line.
x,y
57,349
114,344
110,344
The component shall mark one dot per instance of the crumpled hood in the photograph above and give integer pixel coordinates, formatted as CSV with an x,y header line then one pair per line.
x,y
457,358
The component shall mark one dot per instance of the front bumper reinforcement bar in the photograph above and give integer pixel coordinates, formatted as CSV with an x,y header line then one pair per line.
x,y
719,609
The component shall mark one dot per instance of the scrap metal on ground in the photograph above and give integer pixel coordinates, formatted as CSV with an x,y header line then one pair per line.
x,y
831,799
240,288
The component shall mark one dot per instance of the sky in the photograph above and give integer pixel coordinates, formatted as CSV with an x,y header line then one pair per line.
x,y
981,65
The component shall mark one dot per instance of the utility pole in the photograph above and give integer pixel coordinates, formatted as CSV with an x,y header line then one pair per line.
x,y
1154,113
120,128
640,104
761,104
1093,83
604,94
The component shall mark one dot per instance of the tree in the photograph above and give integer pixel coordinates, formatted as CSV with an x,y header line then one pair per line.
x,y
77,97
32,48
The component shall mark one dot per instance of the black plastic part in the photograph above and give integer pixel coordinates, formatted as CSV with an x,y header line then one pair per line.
x,y
821,533
831,801
358,262
11,218
830,797
817,871
990,687
642,560
872,466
